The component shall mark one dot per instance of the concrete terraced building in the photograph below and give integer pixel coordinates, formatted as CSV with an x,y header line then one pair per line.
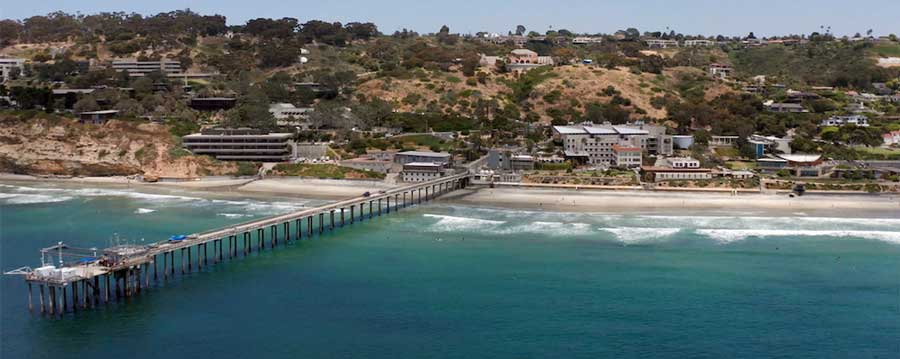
x,y
137,68
242,145
594,144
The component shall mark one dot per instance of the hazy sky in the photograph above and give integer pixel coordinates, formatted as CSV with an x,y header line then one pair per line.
x,y
707,17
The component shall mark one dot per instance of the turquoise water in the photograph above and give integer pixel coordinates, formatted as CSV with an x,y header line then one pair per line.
x,y
448,281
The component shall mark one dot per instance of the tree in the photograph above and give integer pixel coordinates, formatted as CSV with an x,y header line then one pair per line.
x,y
520,30
252,111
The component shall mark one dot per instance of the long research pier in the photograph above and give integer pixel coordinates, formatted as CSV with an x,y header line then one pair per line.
x,y
83,278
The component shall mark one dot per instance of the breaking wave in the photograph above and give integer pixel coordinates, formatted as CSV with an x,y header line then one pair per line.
x,y
234,215
734,235
450,223
32,198
639,234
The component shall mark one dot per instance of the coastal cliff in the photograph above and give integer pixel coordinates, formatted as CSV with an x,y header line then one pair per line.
x,y
60,146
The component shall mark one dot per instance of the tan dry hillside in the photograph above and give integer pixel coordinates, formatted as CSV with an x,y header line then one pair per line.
x,y
65,147
582,83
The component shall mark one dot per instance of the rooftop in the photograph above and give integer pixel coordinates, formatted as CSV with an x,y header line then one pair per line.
x,y
425,154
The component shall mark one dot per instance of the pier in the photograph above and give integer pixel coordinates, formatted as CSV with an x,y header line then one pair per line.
x,y
70,278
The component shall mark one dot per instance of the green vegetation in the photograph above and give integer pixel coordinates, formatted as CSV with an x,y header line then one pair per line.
x,y
324,171
886,49
246,169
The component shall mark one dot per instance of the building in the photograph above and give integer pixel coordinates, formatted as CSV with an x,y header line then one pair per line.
x,y
586,40
856,120
523,60
442,158
286,114
765,144
626,156
593,144
720,71
137,68
723,141
801,165
421,171
661,44
97,117
699,43
892,138
660,174
500,160
681,162
786,108
242,144
7,65
212,103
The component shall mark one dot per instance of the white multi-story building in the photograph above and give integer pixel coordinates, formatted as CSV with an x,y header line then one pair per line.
x,y
627,156
661,44
699,43
421,171
593,144
140,68
7,65
286,114
857,120
584,40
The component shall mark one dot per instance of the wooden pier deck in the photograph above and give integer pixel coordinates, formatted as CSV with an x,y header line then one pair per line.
x,y
87,282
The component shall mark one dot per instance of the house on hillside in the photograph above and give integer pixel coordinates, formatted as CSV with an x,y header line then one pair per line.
x,y
520,60
661,44
699,43
856,120
786,107
720,71
586,40
96,117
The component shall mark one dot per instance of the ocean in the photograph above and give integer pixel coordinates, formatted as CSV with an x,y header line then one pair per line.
x,y
450,281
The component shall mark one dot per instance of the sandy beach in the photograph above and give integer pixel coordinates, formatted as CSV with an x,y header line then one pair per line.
x,y
601,201
554,199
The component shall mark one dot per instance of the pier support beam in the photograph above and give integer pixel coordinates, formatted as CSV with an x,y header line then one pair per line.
x,y
30,302
309,226
321,222
106,299
165,269
379,206
52,299
260,239
352,213
274,230
43,308
182,261
287,231
332,219
299,230
342,217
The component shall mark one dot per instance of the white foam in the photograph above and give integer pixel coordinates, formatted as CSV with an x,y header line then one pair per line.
x,y
640,234
733,235
450,223
234,215
35,198
551,228
144,210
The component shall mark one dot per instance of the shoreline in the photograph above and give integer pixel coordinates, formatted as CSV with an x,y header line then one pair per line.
x,y
519,197
584,200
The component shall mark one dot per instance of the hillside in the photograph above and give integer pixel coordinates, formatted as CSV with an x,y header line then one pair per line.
x,y
53,146
563,84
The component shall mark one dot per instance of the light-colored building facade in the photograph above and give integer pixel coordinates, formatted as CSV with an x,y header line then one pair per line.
x,y
140,68
443,158
287,114
626,156
720,71
421,171
519,60
586,40
661,44
593,144
7,65
242,145
699,43
856,120
368,164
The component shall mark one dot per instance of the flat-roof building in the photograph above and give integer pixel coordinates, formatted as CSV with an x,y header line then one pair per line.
x,y
442,158
286,114
593,144
140,68
856,120
7,65
421,171
96,117
242,144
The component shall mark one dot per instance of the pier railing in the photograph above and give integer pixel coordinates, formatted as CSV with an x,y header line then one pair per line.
x,y
130,266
